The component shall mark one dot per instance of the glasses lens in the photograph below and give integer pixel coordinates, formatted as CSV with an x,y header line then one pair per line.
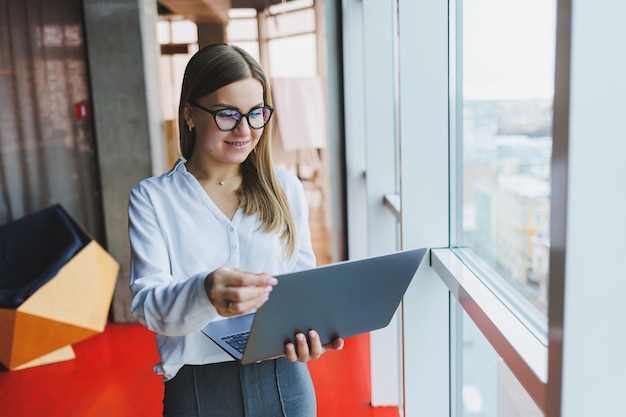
x,y
259,117
227,119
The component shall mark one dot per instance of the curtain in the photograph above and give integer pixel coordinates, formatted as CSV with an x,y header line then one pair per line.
x,y
299,125
47,145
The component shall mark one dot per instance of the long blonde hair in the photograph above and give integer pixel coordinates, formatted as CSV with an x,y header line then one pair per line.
x,y
210,69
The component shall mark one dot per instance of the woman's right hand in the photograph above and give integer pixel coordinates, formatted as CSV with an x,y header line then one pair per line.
x,y
234,291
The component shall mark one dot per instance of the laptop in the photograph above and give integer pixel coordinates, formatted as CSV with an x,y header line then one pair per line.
x,y
338,300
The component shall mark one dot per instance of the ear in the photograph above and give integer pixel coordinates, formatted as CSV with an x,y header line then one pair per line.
x,y
187,114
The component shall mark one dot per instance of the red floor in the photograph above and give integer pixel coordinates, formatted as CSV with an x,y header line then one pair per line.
x,y
112,376
342,382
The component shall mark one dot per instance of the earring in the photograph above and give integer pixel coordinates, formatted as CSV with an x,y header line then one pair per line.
x,y
190,128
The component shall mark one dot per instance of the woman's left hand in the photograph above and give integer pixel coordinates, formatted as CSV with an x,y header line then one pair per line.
x,y
304,350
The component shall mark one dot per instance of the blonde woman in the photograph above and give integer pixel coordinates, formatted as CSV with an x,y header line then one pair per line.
x,y
206,238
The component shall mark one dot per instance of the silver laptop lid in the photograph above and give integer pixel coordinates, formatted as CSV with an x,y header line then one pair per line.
x,y
337,300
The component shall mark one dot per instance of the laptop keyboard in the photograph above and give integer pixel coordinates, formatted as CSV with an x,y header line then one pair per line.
x,y
237,341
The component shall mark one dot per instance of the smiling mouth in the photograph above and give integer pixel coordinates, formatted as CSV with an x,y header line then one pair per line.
x,y
238,143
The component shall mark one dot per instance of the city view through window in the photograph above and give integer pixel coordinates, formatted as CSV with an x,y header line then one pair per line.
x,y
504,143
508,83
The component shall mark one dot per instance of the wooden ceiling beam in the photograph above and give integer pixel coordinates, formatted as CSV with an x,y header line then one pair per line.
x,y
200,11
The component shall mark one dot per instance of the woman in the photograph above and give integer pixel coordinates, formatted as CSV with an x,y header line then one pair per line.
x,y
206,238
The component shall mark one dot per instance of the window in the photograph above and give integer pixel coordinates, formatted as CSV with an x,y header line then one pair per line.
x,y
502,64
292,39
585,217
497,143
242,30
289,31
488,388
505,61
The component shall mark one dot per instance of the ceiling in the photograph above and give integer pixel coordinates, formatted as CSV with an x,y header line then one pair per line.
x,y
199,11
254,4
210,11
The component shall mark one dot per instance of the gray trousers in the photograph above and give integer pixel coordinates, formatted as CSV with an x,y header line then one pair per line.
x,y
273,388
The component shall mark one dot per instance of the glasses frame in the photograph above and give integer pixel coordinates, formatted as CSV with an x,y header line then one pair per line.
x,y
246,115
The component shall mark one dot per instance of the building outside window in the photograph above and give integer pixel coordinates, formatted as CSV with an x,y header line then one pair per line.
x,y
502,136
506,57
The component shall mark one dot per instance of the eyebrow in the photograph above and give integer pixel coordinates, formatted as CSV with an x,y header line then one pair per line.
x,y
228,106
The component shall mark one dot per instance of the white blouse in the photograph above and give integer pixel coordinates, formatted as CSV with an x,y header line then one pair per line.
x,y
178,236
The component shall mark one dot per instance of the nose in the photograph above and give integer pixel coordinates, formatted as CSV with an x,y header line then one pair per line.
x,y
243,128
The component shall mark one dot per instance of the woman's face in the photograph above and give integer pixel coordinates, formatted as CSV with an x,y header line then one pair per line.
x,y
232,147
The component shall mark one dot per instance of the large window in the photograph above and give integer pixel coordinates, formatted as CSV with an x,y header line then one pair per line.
x,y
242,30
496,152
292,38
505,60
501,137
499,127
288,30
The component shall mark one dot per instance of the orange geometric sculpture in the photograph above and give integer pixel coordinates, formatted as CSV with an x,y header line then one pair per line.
x,y
71,306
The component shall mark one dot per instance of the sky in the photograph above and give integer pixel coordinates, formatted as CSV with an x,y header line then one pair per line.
x,y
508,48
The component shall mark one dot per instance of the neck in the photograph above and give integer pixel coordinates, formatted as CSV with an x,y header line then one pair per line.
x,y
221,176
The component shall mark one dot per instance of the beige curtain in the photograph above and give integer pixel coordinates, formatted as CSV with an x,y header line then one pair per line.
x,y
47,146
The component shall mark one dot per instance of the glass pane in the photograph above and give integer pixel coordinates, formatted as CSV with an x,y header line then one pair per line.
x,y
507,67
251,47
289,6
241,13
293,57
489,388
286,24
242,29
184,31
163,31
176,30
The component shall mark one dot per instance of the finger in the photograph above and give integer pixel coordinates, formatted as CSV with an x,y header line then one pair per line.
x,y
315,345
290,352
234,291
336,344
302,347
262,280
238,301
218,288
233,277
244,307
246,294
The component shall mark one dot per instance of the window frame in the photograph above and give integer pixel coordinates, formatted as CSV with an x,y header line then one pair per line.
x,y
585,359
371,161
522,348
424,201
525,354
519,341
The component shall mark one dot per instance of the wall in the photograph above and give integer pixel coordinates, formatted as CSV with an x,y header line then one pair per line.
x,y
121,42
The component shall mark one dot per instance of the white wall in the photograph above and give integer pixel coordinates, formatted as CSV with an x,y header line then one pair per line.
x,y
594,339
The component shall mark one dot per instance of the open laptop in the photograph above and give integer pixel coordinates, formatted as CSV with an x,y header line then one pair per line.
x,y
338,300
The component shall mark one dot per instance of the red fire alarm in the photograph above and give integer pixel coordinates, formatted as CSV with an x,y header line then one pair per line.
x,y
82,110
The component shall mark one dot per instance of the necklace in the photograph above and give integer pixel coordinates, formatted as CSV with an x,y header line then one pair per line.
x,y
222,182
202,175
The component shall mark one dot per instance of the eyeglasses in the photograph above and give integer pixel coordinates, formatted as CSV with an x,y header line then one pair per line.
x,y
228,119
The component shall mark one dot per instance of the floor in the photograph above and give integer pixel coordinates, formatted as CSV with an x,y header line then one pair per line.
x,y
112,374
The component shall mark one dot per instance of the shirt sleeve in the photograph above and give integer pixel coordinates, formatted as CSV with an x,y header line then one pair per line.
x,y
161,303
